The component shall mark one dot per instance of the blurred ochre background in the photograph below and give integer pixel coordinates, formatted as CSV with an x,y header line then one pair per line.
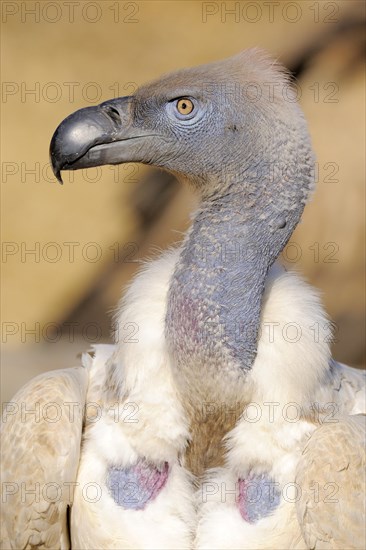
x,y
58,59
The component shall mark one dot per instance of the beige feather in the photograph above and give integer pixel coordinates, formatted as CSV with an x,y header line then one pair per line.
x,y
331,475
40,453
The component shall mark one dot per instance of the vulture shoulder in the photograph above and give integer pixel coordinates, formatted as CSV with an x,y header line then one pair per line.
x,y
40,450
331,477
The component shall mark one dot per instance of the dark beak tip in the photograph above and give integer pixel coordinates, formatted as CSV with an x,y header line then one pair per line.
x,y
58,177
56,167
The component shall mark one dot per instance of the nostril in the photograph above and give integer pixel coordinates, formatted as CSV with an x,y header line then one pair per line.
x,y
112,113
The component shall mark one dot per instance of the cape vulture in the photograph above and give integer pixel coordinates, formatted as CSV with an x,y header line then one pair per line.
x,y
225,423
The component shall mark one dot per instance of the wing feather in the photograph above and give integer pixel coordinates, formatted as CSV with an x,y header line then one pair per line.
x,y
40,450
331,477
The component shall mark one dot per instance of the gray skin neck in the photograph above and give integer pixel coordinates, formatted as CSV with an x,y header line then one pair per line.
x,y
215,296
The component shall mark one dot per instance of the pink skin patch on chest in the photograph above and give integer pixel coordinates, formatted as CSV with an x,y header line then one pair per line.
x,y
259,496
136,486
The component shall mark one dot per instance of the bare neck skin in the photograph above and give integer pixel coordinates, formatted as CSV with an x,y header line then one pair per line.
x,y
214,304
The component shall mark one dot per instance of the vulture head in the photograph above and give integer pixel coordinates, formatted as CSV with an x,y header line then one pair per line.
x,y
231,122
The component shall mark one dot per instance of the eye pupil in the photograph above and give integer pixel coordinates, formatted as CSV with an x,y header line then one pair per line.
x,y
184,106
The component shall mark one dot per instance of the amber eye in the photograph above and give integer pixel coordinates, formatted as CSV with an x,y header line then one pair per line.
x,y
185,106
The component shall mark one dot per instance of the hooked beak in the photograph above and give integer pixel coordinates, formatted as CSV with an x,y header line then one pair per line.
x,y
98,135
